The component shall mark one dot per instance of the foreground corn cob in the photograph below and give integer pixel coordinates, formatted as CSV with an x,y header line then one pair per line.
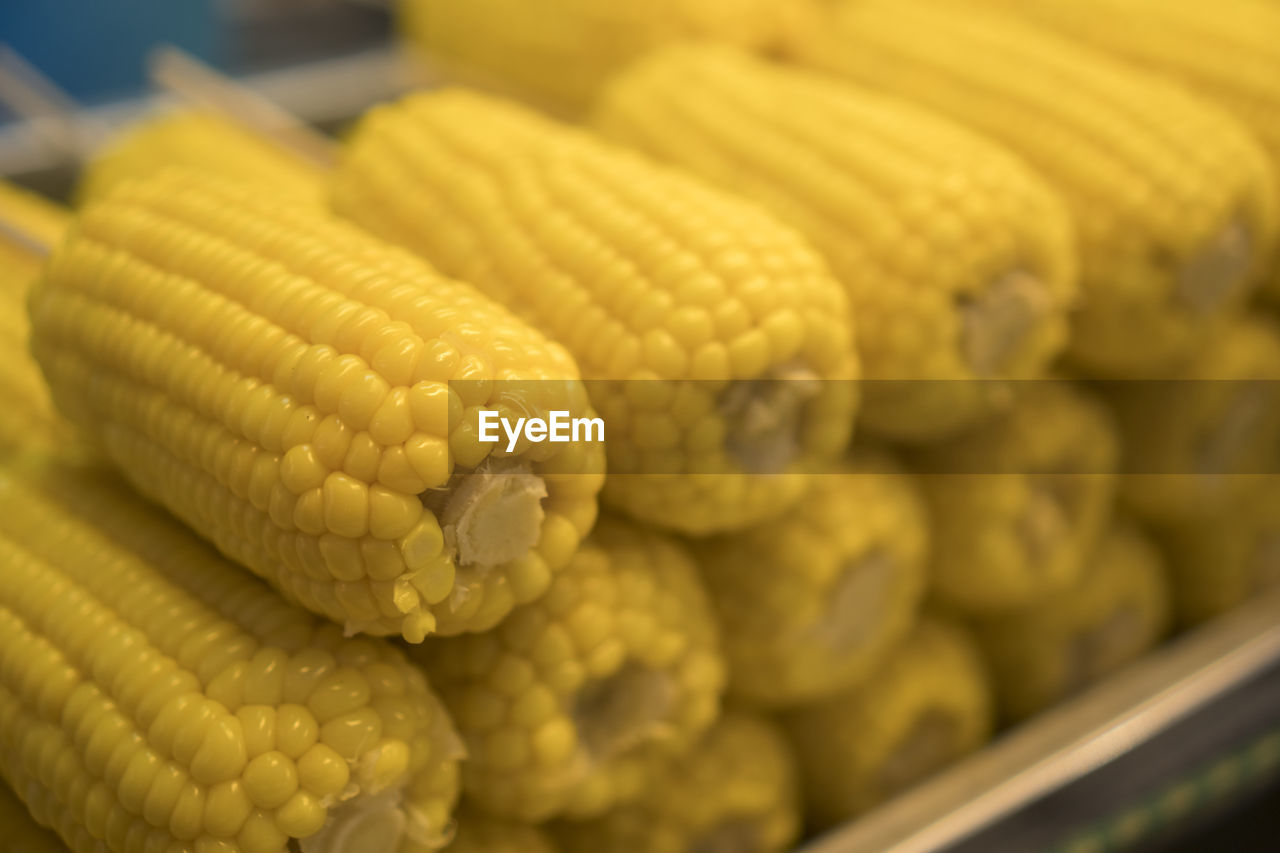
x,y
735,791
27,417
1118,610
569,705
1173,202
683,304
21,832
479,833
957,260
559,52
1198,441
1018,504
810,603
1222,559
154,697
307,398
928,705
206,143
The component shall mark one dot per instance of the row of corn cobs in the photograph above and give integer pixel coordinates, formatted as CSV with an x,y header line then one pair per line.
x,y
768,627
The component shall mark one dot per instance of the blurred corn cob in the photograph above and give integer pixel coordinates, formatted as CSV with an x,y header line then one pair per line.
x,y
1174,203
206,143
27,223
571,703
709,328
21,832
1228,51
928,705
1018,504
958,261
480,833
307,398
559,52
1119,609
163,698
735,791
1224,558
810,603
1201,439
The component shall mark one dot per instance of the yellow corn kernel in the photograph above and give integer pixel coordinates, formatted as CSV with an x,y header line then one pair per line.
x,y
224,350
928,705
1018,504
957,259
560,52
708,332
22,833
1119,609
1173,201
735,790
568,706
1223,558
205,143
1198,441
134,703
809,604
480,833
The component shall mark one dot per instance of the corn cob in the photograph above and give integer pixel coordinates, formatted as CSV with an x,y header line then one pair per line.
x,y
201,142
1120,608
735,791
570,703
1219,560
559,52
27,417
1017,505
21,832
810,603
681,305
1173,201
1200,440
154,698
307,399
1227,51
479,833
928,705
958,261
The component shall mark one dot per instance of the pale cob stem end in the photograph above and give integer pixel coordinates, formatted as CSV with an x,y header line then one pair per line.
x,y
1050,515
765,417
366,823
494,514
858,603
929,745
1214,276
735,835
997,322
620,712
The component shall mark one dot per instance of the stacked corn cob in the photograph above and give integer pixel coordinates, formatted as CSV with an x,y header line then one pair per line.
x,y
308,399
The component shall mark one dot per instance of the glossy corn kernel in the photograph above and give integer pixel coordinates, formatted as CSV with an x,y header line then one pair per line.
x,y
559,52
810,603
928,705
307,399
735,791
27,417
958,261
1199,440
1228,52
1220,560
204,143
153,696
1018,504
1173,201
707,329
21,832
1118,610
570,703
478,832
